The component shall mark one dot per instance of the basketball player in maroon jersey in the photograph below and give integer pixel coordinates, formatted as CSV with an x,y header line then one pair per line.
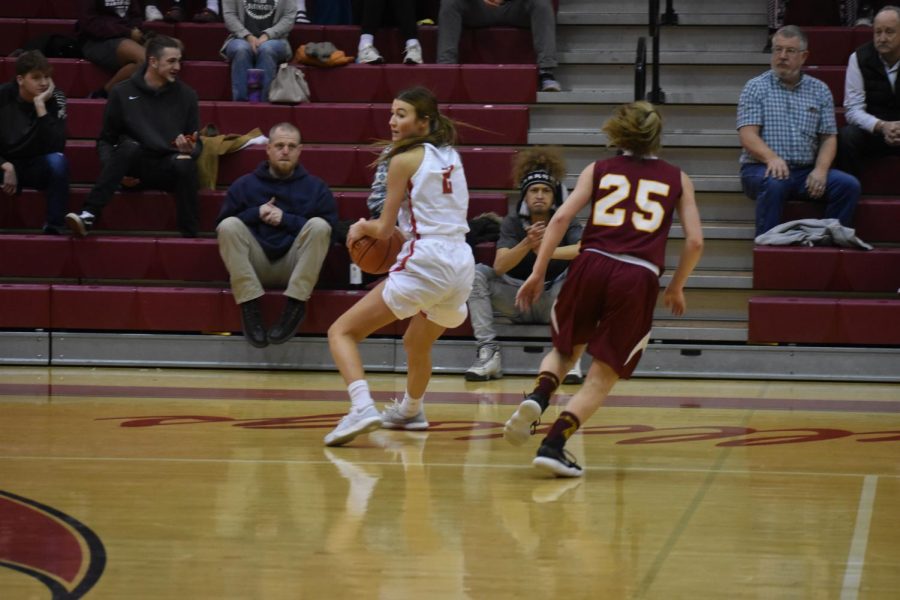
x,y
606,304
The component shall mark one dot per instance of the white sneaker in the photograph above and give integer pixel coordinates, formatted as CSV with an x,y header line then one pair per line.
x,y
574,376
369,55
487,365
521,424
413,55
353,424
151,13
393,418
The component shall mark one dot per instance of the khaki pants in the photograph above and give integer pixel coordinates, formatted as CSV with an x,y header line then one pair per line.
x,y
250,269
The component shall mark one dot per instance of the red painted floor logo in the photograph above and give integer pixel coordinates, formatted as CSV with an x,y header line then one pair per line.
x,y
50,546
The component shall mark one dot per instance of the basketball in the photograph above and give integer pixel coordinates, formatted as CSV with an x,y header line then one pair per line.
x,y
376,256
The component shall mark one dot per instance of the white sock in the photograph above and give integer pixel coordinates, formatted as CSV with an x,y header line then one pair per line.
x,y
412,42
410,406
366,39
213,5
360,397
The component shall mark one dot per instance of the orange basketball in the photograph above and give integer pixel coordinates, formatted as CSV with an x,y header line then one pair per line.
x,y
376,256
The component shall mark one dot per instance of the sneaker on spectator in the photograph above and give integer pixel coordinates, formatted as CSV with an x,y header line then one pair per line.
x,y
353,424
393,418
559,462
574,376
206,16
151,13
487,365
523,422
413,54
174,15
80,224
301,17
369,55
548,82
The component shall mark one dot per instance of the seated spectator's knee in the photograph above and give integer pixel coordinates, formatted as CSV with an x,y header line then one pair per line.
x,y
128,148
229,226
318,227
58,165
184,166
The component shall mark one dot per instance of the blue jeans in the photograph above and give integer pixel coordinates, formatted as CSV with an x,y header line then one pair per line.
x,y
49,172
841,194
269,55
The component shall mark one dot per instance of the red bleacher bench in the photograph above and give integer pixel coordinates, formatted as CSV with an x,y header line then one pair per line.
x,y
824,321
826,269
24,306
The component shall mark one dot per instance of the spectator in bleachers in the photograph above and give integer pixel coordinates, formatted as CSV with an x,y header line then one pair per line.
x,y
538,172
405,15
149,139
33,136
786,124
274,228
871,96
257,39
538,15
177,13
111,38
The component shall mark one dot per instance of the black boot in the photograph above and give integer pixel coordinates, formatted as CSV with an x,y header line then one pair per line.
x,y
284,330
252,321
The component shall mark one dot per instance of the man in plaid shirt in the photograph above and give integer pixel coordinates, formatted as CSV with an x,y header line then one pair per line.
x,y
786,125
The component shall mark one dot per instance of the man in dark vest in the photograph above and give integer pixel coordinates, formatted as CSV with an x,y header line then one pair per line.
x,y
872,96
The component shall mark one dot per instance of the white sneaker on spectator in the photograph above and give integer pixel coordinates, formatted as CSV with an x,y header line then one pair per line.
x,y
354,423
369,55
151,13
574,376
487,365
413,54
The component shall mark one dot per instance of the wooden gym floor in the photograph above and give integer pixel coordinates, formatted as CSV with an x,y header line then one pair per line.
x,y
147,483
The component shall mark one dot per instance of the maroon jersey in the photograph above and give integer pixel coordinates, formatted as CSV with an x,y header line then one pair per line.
x,y
631,212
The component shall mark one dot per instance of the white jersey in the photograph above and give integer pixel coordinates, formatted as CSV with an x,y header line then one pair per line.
x,y
438,199
435,268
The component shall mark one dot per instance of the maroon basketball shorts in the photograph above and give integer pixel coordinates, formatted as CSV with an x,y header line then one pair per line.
x,y
608,305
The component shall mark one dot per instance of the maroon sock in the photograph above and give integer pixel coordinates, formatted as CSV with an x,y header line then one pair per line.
x,y
562,429
544,387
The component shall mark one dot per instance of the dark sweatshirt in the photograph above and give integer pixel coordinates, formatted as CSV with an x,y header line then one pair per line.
x,y
300,196
100,21
23,134
151,117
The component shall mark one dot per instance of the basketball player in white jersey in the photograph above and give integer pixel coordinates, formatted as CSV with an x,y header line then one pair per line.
x,y
427,197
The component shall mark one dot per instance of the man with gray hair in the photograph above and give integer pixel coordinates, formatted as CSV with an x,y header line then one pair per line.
x,y
871,96
274,228
785,120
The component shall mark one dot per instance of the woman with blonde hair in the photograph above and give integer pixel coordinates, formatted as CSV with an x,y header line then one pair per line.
x,y
606,304
428,198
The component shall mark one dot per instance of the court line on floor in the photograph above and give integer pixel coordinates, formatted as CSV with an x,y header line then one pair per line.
x,y
526,464
438,397
856,560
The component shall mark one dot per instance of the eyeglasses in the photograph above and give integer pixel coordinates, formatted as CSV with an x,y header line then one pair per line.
x,y
788,51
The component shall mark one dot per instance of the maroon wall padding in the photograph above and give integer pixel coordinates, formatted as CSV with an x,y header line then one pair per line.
x,y
179,309
13,34
101,257
37,256
826,269
833,77
829,46
793,320
882,176
190,260
511,84
869,321
94,307
24,306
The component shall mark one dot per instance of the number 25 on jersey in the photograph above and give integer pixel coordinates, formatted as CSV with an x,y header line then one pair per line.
x,y
648,215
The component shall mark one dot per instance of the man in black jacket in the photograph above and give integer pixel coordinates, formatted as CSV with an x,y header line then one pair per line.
x,y
33,136
274,228
872,96
149,138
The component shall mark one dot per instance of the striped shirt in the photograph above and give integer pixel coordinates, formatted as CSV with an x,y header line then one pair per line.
x,y
790,119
